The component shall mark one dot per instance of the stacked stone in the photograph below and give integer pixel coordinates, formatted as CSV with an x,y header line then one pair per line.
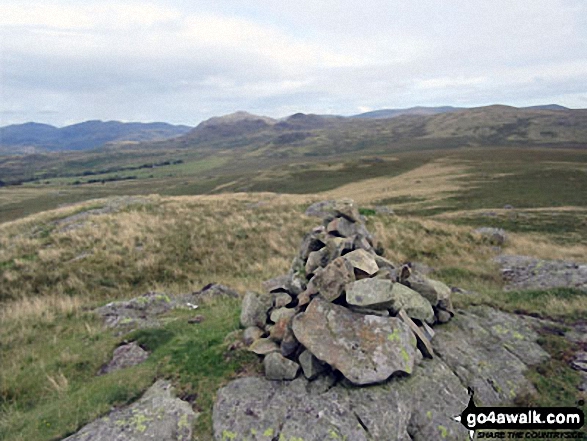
x,y
344,307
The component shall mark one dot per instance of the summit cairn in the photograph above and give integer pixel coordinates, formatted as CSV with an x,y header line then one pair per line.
x,y
344,307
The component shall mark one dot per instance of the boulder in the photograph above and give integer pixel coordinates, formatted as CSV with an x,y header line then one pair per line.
x,y
342,227
158,415
316,259
282,314
385,294
365,348
330,283
311,366
251,334
277,367
281,300
282,318
263,346
370,293
436,292
362,261
313,241
254,309
326,209
289,343
125,356
277,284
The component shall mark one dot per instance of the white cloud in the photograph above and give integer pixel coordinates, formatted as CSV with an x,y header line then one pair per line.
x,y
182,61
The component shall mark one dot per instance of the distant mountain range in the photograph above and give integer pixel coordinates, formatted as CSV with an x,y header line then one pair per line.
x,y
425,111
493,124
32,137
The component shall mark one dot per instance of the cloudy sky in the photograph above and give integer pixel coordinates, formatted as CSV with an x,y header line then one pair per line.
x,y
183,61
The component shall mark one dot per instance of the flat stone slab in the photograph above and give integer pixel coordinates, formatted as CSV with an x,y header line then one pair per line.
x,y
522,272
415,408
365,348
489,351
158,415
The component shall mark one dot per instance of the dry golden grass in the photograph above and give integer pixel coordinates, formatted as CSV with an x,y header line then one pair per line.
x,y
432,181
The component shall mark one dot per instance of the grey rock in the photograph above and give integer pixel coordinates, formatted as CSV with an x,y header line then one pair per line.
x,y
401,410
282,313
443,316
427,331
277,284
139,312
277,367
522,272
436,292
580,361
263,346
316,259
125,356
158,415
482,348
313,241
384,294
424,343
330,283
311,366
363,261
251,334
383,263
281,300
289,343
489,351
416,306
370,293
258,409
254,309
211,292
365,348
495,236
325,209
341,226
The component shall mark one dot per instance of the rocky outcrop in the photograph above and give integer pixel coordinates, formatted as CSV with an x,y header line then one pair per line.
x,y
522,272
482,348
158,415
143,311
125,356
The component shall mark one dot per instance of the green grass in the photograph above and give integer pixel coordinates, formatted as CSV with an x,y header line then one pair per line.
x,y
556,384
194,356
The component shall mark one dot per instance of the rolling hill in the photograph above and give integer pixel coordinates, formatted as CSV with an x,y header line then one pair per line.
x,y
34,137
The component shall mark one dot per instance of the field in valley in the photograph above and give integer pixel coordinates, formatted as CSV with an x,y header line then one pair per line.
x,y
66,248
